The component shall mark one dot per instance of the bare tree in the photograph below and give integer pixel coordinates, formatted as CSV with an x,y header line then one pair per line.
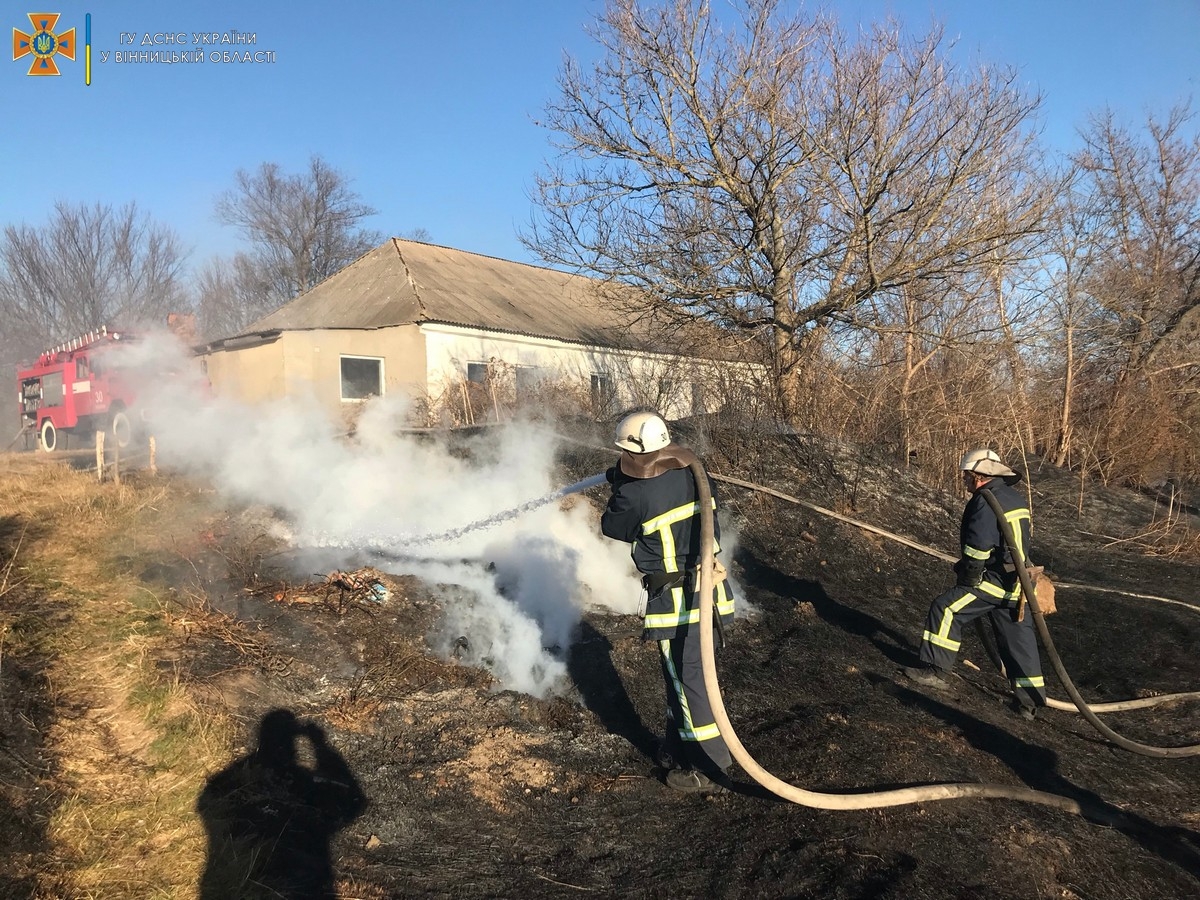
x,y
1146,200
230,296
87,266
774,176
300,228
1062,343
1142,372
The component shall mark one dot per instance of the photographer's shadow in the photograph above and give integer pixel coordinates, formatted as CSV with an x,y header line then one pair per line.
x,y
271,820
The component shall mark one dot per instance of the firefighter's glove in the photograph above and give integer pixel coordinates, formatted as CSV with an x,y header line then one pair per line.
x,y
611,474
720,573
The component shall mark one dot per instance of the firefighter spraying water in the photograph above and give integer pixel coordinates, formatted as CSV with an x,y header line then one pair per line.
x,y
655,507
688,597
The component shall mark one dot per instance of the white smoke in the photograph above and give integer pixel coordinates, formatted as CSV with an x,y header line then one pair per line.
x,y
528,577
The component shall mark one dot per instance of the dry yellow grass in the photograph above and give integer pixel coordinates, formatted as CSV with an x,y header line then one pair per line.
x,y
135,750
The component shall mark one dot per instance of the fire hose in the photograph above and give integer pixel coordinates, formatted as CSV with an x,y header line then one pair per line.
x,y
1098,708
779,787
1055,660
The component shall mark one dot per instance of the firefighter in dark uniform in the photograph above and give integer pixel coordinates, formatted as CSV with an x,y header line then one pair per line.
x,y
987,585
653,506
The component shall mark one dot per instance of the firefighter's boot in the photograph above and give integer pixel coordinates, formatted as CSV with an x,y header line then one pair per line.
x,y
692,781
927,677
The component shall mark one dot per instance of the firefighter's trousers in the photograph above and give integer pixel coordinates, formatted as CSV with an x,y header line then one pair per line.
x,y
1016,641
692,736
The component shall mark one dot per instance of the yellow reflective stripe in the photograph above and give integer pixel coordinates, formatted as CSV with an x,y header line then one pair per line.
x,y
671,516
667,536
1039,681
687,728
679,616
662,524
970,551
941,641
704,733
994,590
670,620
942,638
724,601
1014,519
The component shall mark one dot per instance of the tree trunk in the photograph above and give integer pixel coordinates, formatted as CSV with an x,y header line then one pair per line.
x,y
1062,450
787,378
789,348
906,438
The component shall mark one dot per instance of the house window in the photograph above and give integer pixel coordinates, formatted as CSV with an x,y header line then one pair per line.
x,y
668,391
603,394
362,377
478,403
527,380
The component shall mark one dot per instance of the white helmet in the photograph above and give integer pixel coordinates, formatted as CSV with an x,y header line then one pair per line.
x,y
985,462
642,432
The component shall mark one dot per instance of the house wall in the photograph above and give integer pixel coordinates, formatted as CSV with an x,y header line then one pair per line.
x,y
430,362
252,374
675,385
309,362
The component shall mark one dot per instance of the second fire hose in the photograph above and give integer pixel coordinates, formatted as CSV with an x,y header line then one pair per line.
x,y
817,799
1099,708
1055,660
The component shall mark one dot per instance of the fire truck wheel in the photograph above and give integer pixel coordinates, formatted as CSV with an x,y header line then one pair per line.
x,y
122,431
49,436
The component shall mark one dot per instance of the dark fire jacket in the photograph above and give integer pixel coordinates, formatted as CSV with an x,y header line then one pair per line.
x,y
659,515
985,567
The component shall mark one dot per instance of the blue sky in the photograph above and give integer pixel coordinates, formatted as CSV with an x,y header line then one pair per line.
x,y
429,106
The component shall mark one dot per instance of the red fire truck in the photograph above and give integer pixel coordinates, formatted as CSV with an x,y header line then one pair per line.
x,y
78,387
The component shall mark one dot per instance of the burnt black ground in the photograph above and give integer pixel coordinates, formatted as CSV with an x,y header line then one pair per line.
x,y
474,792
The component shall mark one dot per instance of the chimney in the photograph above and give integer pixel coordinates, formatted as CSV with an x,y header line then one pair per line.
x,y
183,326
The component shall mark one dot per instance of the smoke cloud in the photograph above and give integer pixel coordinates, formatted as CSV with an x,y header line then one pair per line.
x,y
515,590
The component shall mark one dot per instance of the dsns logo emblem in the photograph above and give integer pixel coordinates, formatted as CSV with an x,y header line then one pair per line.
x,y
44,44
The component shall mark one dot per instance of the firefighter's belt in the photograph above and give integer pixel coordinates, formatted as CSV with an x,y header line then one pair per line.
x,y
657,582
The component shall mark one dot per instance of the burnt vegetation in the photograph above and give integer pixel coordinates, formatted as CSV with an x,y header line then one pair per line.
x,y
472,790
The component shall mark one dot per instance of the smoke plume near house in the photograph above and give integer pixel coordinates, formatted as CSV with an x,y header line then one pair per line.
x,y
515,591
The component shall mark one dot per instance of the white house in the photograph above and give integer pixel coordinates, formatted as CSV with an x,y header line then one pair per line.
x,y
468,337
